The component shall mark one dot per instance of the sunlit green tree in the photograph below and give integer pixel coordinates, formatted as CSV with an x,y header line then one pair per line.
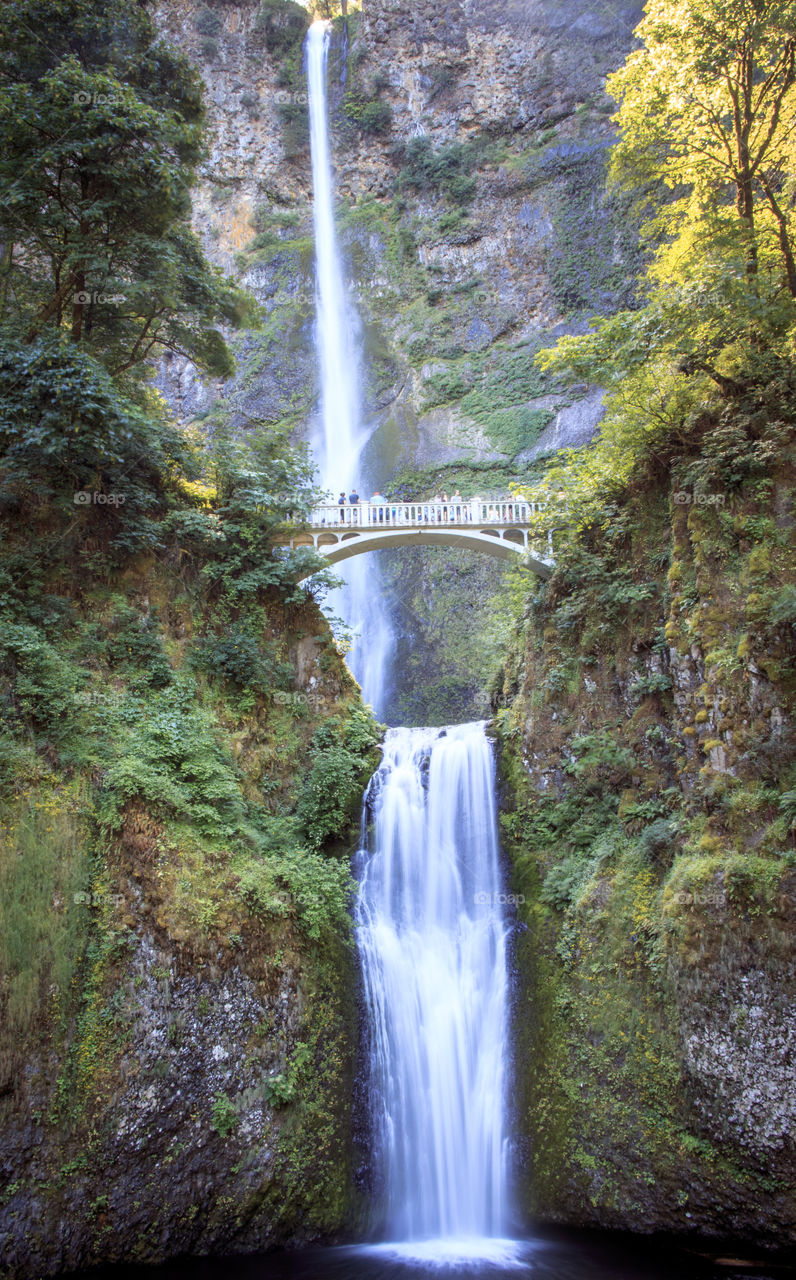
x,y
707,137
100,134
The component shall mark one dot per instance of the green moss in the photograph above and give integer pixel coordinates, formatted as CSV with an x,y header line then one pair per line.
x,y
491,388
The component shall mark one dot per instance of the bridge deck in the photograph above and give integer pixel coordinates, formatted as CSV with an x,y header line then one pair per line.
x,y
471,511
506,528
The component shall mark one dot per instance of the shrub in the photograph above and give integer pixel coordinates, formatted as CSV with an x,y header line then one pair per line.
x,y
225,1117
208,23
331,795
40,684
371,115
447,170
167,755
657,838
237,656
332,792
250,103
135,643
281,25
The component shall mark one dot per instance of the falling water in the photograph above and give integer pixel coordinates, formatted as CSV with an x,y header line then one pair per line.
x,y
429,924
343,435
432,940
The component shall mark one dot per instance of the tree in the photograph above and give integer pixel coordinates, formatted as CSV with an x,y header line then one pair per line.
x,y
100,134
708,108
707,122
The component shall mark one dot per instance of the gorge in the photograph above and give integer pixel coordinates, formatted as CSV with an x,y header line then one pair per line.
x,y
547,1025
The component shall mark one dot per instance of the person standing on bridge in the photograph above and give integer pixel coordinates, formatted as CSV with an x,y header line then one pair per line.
x,y
376,501
353,498
456,510
341,505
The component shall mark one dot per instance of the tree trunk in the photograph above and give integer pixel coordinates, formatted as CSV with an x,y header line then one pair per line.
x,y
784,238
53,306
78,307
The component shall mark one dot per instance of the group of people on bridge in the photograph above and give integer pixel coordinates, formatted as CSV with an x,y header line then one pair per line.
x,y
439,509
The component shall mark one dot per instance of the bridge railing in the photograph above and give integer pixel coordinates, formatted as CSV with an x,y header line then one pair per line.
x,y
468,511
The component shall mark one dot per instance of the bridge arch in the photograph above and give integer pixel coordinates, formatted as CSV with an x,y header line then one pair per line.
x,y
501,529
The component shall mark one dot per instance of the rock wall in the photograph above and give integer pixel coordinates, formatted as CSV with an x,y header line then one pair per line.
x,y
648,739
184,1083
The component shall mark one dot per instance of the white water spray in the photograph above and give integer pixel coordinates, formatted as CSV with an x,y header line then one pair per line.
x,y
432,940
343,436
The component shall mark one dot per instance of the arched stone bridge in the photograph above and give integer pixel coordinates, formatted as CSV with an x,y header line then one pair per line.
x,y
507,528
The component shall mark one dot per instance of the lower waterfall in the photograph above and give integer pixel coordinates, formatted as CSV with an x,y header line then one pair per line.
x,y
433,945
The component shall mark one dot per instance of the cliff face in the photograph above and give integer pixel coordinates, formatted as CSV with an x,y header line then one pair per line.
x,y
648,744
179,1029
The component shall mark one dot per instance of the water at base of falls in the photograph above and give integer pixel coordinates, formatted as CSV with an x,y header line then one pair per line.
x,y
432,942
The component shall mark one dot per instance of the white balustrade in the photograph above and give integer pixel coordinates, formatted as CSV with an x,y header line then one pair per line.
x,y
470,511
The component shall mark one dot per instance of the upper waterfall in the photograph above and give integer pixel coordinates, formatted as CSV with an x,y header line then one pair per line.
x,y
337,327
343,435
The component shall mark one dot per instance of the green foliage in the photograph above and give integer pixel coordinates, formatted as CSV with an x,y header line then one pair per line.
x,y
707,106
657,838
592,592
295,123
718,315
370,115
66,430
599,760
135,642
100,132
38,684
341,754
783,607
447,170
490,388
240,657
43,877
261,482
597,259
207,22
280,1090
282,26
167,754
225,1119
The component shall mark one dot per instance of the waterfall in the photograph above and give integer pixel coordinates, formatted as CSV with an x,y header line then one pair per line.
x,y
432,941
429,925
342,436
